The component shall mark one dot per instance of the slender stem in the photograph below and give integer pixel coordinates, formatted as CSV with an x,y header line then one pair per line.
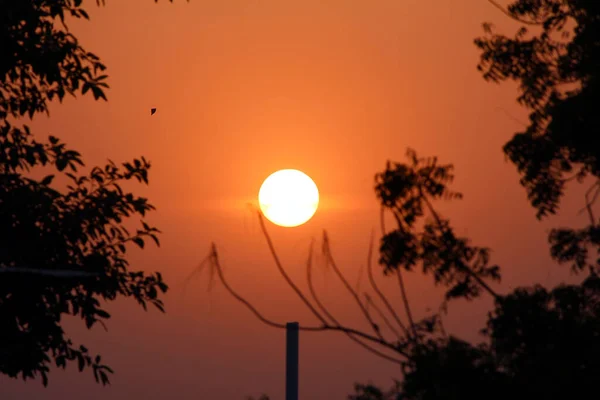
x,y
378,291
589,203
464,268
331,317
382,315
326,327
331,260
282,271
215,261
406,304
441,322
401,281
311,288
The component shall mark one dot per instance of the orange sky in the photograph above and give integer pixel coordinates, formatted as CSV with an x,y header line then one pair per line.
x,y
243,88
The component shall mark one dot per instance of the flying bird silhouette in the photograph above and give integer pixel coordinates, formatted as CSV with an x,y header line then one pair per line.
x,y
152,111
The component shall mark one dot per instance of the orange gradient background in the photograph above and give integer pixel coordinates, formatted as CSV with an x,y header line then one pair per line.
x,y
247,87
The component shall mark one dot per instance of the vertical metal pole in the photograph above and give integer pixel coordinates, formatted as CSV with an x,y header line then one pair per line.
x,y
291,361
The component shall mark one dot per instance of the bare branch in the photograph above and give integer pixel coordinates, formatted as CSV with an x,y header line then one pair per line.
x,y
382,315
465,269
406,304
312,289
332,318
401,282
442,307
196,270
282,271
214,257
326,327
590,202
329,256
376,288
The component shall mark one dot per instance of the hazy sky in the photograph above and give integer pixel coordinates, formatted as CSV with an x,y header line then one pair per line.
x,y
244,88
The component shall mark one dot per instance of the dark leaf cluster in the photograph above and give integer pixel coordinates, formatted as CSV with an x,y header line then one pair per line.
x,y
422,237
556,63
63,252
541,344
41,59
62,249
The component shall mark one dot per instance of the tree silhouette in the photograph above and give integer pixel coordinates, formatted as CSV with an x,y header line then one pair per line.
x,y
557,71
62,249
539,343
422,238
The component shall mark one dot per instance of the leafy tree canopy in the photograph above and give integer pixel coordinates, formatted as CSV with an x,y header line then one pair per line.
x,y
62,250
539,343
555,59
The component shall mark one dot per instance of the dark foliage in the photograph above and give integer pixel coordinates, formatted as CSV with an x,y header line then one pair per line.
x,y
407,191
540,343
548,342
62,250
62,253
556,68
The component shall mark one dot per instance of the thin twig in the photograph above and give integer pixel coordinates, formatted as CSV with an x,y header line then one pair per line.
x,y
216,264
333,264
378,291
214,257
443,305
330,316
589,203
311,288
382,315
196,270
282,271
406,304
401,281
465,269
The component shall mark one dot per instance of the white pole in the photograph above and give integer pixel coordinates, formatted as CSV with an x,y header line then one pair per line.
x,y
291,361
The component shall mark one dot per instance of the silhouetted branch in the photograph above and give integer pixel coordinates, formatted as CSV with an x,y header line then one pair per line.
x,y
215,262
511,16
590,202
411,322
459,265
325,327
406,303
374,285
329,256
282,271
441,323
382,315
332,318
312,289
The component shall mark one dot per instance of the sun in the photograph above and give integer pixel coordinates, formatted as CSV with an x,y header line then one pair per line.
x,y
288,198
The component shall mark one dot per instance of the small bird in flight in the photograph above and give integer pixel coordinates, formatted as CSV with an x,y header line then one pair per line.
x,y
152,111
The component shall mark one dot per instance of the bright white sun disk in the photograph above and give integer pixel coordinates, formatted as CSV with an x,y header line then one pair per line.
x,y
288,198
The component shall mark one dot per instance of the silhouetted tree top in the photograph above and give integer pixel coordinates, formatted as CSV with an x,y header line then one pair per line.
x,y
40,59
62,250
408,191
541,344
555,60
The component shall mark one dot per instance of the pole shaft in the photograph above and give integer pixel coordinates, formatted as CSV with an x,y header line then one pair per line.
x,y
291,361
